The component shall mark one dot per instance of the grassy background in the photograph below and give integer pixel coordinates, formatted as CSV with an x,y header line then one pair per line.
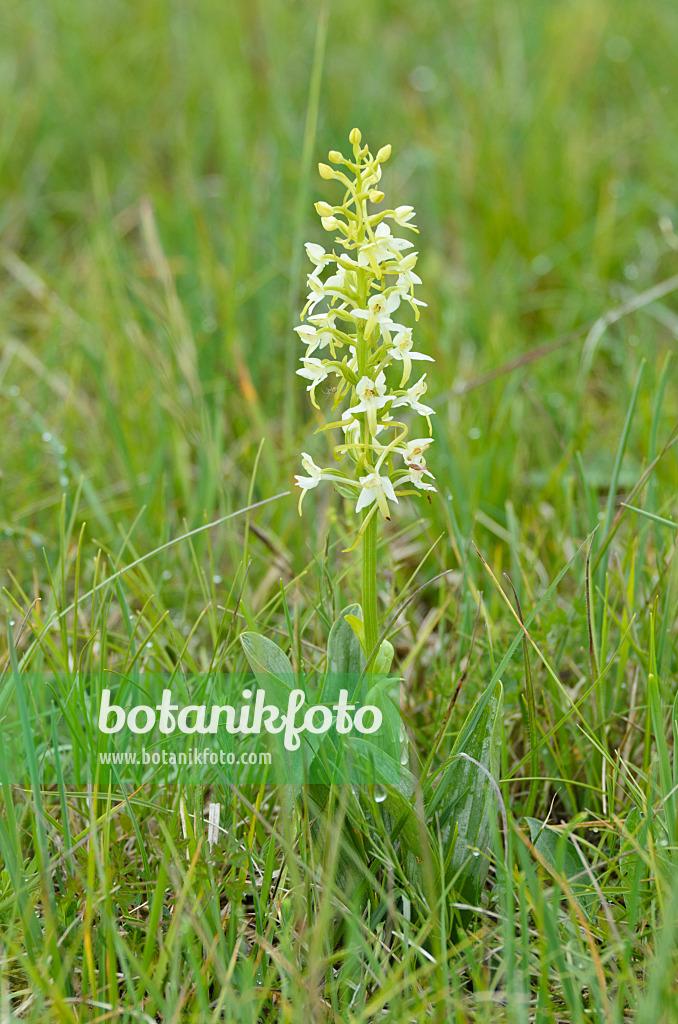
x,y
157,171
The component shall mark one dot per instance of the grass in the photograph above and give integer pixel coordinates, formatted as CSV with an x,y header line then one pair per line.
x,y
157,168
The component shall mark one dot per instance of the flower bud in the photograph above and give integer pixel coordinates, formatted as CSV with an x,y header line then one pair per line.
x,y
324,209
375,196
383,154
325,171
329,223
355,137
335,156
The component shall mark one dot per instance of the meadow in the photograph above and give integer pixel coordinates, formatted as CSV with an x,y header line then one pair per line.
x,y
158,169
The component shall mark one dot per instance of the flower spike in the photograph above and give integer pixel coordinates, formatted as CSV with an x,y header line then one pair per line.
x,y
356,285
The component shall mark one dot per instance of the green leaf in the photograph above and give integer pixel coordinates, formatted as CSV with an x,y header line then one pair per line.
x,y
384,658
384,693
270,665
635,859
345,658
402,812
275,675
650,515
465,802
561,854
358,628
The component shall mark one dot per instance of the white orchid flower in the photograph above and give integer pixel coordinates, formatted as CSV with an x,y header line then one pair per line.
x,y
336,283
411,399
315,475
314,338
414,450
404,286
308,334
307,482
376,252
316,291
372,397
401,350
407,279
402,215
416,476
379,309
315,371
327,318
376,488
351,428
317,254
325,321
332,287
384,247
389,241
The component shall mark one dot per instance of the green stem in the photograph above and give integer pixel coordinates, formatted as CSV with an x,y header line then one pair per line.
x,y
370,587
370,620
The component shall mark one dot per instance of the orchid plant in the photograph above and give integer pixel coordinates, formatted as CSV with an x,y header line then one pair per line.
x,y
356,290
352,332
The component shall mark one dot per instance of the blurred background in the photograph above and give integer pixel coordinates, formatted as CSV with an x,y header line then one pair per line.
x,y
158,173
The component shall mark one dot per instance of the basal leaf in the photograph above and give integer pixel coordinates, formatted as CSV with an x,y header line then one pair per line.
x,y
345,658
561,854
270,665
464,804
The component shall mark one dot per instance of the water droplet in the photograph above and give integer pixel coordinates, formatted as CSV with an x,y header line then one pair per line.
x,y
149,644
618,49
474,433
14,391
663,842
167,575
62,449
209,324
404,757
595,831
216,578
423,78
541,264
11,622
47,437
380,795
63,480
631,272
9,532
476,853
